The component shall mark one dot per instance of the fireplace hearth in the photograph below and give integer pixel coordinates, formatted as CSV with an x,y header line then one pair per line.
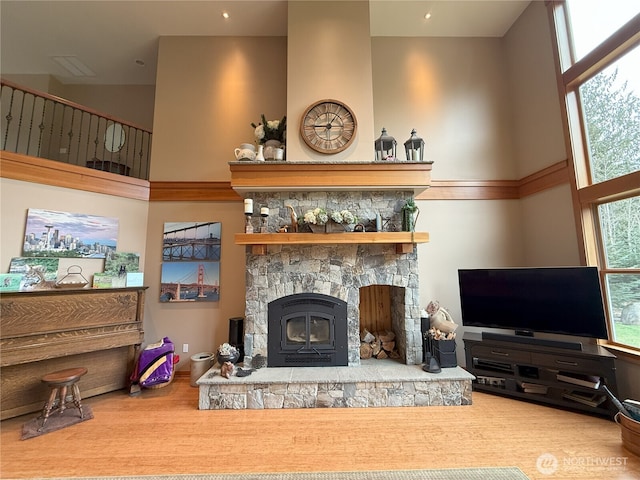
x,y
307,330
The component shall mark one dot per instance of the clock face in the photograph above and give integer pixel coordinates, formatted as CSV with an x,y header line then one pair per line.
x,y
328,126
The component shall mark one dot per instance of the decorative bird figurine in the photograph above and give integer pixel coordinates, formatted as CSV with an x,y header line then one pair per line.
x,y
294,218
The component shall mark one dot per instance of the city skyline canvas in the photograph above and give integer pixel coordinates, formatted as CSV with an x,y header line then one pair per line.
x,y
64,234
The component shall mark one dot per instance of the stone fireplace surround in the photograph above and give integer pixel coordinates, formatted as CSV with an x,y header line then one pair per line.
x,y
339,270
336,270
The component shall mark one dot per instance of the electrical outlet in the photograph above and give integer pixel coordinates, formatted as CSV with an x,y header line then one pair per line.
x,y
63,150
185,348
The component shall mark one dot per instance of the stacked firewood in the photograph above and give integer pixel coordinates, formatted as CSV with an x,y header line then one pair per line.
x,y
437,334
378,344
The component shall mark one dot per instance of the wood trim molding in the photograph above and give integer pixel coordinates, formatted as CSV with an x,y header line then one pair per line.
x,y
193,192
50,172
549,177
470,190
552,176
59,174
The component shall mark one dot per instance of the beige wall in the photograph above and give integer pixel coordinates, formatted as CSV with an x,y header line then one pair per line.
x,y
208,92
17,197
453,92
548,228
330,57
533,95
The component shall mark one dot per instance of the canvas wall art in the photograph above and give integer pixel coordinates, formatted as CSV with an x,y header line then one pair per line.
x,y
62,234
191,262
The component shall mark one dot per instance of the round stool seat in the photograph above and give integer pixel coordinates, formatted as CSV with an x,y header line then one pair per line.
x,y
60,381
64,377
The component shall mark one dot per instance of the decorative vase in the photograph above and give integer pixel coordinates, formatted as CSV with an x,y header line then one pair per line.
x,y
227,358
260,154
270,149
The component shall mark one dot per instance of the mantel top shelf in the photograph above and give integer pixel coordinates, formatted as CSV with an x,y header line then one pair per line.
x,y
268,163
330,175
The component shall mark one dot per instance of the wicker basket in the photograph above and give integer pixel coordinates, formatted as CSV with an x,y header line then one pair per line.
x,y
630,433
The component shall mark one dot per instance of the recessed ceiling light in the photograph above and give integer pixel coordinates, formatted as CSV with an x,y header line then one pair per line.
x,y
225,14
427,15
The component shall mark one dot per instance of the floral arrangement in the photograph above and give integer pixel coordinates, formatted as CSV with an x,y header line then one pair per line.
x,y
270,130
317,216
227,349
344,216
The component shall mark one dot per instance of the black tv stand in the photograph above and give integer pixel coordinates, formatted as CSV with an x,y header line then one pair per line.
x,y
539,373
529,340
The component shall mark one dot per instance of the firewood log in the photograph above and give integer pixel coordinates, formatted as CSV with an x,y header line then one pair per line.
x,y
382,354
389,346
387,336
365,350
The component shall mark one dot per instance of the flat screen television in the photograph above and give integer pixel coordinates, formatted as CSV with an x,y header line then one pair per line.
x,y
560,300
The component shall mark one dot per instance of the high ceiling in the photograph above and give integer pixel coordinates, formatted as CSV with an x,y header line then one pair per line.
x,y
112,37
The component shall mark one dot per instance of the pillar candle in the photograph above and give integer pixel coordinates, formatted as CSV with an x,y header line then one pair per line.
x,y
264,211
248,206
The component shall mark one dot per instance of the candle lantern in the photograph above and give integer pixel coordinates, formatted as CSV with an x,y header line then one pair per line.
x,y
264,213
414,147
248,212
385,147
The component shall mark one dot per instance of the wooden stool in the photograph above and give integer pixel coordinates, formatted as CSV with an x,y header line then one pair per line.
x,y
60,381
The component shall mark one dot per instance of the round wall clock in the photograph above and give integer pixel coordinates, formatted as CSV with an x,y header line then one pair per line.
x,y
328,126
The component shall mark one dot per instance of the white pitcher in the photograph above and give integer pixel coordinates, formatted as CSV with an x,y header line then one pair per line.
x,y
244,154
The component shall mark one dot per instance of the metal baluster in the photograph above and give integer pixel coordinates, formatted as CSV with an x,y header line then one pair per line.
x,y
33,114
20,122
42,126
9,118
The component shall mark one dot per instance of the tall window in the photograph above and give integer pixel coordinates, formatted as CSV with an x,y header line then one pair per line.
x,y
599,53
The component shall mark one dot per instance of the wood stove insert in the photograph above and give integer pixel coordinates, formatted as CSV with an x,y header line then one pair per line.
x,y
307,330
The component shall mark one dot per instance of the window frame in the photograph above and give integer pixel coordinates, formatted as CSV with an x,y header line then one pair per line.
x,y
586,195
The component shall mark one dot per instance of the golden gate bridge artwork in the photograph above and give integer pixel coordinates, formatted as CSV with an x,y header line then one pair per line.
x,y
191,262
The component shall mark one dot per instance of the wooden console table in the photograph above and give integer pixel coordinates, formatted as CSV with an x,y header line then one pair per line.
x,y
48,330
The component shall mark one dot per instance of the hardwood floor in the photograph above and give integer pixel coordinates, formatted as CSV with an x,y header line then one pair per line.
x,y
162,431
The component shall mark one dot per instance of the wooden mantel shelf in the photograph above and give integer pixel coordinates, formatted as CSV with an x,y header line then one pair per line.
x,y
404,241
330,175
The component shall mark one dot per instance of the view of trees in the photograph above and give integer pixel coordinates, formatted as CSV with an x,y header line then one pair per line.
x,y
612,113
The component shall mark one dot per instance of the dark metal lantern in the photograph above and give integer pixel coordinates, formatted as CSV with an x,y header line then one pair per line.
x,y
385,146
414,148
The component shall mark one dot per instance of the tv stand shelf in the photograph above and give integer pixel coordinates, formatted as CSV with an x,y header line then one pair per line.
x,y
529,371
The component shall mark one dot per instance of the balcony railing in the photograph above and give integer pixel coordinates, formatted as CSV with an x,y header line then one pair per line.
x,y
40,125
